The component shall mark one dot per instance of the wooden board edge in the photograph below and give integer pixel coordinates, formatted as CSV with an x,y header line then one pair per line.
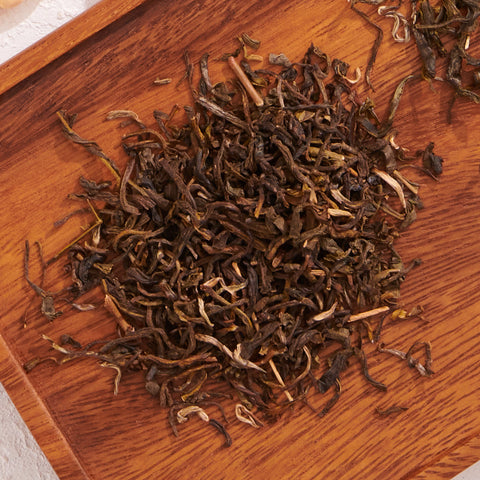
x,y
462,456
37,417
62,40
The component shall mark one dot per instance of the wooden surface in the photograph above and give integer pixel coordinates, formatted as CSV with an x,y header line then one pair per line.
x,y
63,40
442,468
72,410
36,416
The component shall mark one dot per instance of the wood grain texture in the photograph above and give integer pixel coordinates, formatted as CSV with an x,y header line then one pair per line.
x,y
441,468
63,40
36,416
127,436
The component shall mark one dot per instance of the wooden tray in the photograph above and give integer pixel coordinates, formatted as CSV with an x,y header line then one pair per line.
x,y
108,59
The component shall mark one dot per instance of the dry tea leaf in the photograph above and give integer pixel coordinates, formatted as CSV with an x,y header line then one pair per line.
x,y
237,247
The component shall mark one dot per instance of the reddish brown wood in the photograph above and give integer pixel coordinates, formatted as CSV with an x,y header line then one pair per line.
x,y
37,417
127,436
442,467
62,40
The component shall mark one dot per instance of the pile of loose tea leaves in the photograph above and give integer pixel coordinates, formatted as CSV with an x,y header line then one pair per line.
x,y
442,29
236,248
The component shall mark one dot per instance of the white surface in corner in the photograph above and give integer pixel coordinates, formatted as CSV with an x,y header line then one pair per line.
x,y
471,473
20,455
23,25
